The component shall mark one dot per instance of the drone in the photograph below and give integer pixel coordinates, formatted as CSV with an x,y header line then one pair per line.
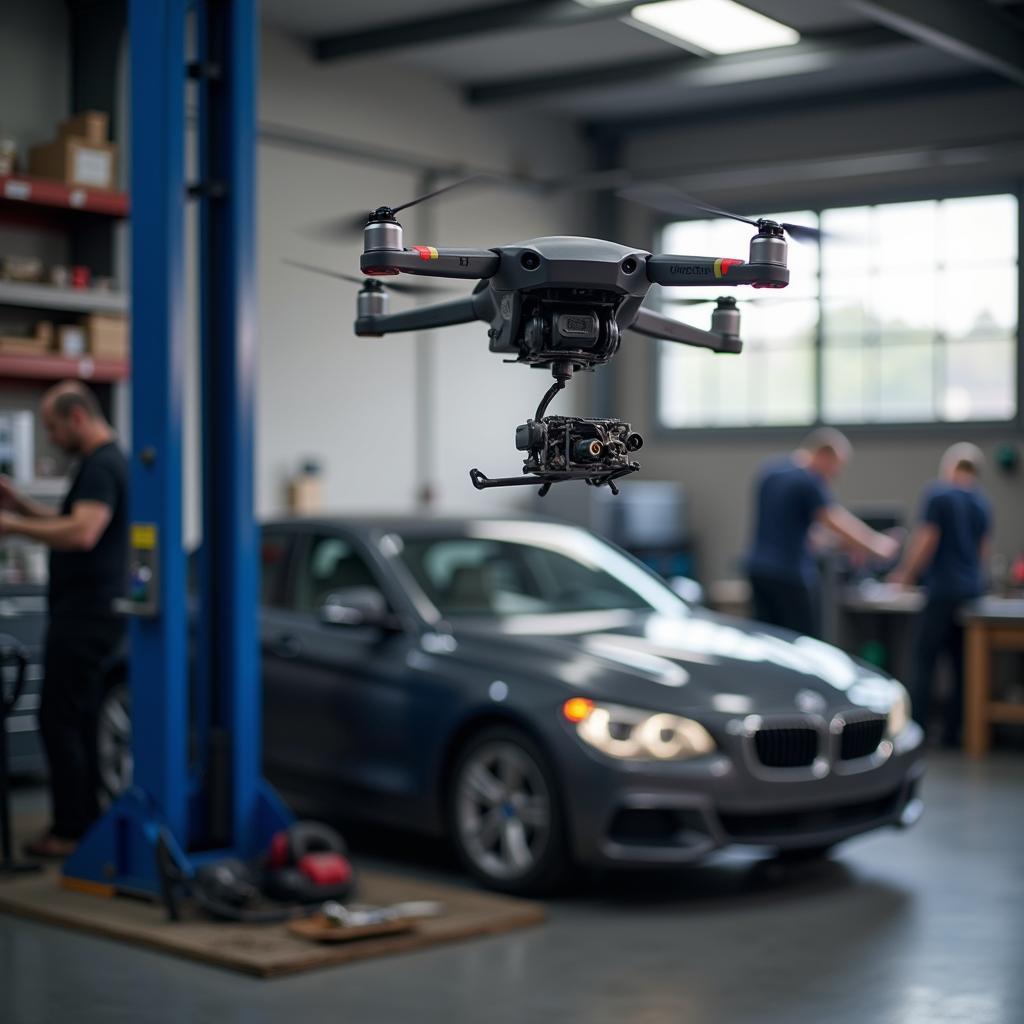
x,y
563,303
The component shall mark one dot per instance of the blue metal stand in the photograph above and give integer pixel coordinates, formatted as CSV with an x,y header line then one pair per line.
x,y
218,805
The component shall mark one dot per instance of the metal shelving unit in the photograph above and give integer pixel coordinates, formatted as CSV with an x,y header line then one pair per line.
x,y
73,300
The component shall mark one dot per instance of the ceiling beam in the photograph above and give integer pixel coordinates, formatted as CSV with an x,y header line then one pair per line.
x,y
685,69
522,14
973,30
939,85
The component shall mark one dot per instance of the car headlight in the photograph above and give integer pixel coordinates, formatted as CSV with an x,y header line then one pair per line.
x,y
899,713
630,733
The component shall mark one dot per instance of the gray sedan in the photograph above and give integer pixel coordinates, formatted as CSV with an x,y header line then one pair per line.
x,y
542,699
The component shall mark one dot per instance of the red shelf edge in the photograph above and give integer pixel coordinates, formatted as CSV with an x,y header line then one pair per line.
x,y
53,367
31,191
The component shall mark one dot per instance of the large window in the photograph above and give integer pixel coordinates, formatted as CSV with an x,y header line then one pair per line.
x,y
905,312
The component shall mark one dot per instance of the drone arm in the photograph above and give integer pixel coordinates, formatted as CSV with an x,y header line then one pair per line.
x,y
429,261
441,314
694,271
656,325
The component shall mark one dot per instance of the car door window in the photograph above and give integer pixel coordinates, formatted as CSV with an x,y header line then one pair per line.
x,y
329,564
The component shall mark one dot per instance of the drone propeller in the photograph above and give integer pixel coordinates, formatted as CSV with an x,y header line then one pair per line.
x,y
401,287
351,225
751,301
672,200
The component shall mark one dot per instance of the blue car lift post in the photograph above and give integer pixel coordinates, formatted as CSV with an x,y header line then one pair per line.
x,y
196,746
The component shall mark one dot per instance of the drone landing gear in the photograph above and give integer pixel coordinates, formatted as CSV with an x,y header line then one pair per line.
x,y
561,448
481,481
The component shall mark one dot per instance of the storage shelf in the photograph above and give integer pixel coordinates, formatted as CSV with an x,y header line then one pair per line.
x,y
75,300
54,367
22,190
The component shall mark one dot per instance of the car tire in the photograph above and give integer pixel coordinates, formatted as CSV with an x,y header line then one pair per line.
x,y
504,813
114,738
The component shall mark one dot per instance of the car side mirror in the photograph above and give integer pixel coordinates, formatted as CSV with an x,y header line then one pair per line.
x,y
357,606
688,589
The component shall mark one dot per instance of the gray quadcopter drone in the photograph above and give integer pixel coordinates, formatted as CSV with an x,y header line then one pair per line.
x,y
563,303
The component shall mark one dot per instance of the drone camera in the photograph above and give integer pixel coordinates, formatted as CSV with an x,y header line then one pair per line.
x,y
576,330
586,451
529,436
569,447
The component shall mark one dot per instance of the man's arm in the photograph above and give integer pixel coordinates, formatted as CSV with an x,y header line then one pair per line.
x,y
11,497
80,530
920,551
857,533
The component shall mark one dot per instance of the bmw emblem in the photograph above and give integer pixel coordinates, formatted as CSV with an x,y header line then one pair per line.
x,y
810,702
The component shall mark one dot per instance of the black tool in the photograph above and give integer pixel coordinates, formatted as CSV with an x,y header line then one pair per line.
x,y
305,865
12,656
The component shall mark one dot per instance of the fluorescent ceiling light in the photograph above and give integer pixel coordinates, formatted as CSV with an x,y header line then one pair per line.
x,y
717,26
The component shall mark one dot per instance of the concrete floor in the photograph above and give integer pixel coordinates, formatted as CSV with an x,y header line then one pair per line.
x,y
923,927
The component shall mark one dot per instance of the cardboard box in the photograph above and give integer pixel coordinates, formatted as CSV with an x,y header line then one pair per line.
x,y
107,336
31,345
76,162
91,125
21,268
305,495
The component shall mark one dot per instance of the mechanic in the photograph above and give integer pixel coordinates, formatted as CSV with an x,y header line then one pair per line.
x,y
792,495
87,538
947,551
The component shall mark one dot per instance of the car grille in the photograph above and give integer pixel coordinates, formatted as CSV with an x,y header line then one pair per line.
x,y
793,747
861,739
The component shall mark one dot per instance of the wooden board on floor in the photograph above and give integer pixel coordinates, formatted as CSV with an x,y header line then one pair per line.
x,y
268,950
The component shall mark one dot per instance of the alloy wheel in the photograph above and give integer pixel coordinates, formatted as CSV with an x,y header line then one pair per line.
x,y
503,810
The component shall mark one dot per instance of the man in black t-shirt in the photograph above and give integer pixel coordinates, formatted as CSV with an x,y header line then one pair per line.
x,y
87,538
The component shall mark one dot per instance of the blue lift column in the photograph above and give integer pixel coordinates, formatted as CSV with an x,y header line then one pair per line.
x,y
213,804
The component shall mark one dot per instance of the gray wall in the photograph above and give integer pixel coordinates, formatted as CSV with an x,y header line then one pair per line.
x,y
954,142
360,406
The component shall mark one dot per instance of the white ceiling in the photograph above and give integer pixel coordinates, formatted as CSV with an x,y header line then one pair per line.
x,y
526,53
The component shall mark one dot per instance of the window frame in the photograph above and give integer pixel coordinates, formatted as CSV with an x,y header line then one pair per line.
x,y
908,428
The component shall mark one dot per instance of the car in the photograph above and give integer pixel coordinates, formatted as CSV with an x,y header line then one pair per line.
x,y
542,699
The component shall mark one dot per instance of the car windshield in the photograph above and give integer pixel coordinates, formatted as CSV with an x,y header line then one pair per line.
x,y
501,569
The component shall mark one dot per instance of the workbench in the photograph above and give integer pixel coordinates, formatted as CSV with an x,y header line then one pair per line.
x,y
883,613
992,624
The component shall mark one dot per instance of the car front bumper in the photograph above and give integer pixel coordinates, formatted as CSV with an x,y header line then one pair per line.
x,y
633,813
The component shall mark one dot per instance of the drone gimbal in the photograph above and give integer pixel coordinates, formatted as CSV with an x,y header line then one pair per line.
x,y
562,303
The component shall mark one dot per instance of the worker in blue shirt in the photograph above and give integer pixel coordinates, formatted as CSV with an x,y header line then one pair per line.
x,y
946,552
793,494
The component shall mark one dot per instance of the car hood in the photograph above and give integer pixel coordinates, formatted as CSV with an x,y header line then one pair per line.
x,y
695,661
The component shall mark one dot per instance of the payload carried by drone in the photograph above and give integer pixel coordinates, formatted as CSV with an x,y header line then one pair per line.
x,y
562,303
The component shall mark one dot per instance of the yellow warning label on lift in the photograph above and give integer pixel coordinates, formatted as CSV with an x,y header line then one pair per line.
x,y
144,536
